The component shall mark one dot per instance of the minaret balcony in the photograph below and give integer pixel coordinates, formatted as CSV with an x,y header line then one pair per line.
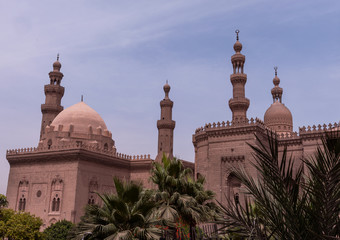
x,y
239,104
166,124
166,103
48,108
238,78
238,57
54,88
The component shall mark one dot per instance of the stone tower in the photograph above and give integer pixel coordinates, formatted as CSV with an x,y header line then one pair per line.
x,y
165,126
54,92
239,103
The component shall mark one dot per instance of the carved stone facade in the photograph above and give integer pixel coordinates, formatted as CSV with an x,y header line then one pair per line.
x,y
222,146
76,158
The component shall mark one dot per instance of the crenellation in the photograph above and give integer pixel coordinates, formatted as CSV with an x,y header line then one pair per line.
x,y
97,149
319,128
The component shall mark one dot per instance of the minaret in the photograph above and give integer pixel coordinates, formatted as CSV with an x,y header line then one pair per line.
x,y
239,103
276,90
54,92
165,126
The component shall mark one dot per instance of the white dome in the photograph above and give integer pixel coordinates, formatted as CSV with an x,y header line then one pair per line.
x,y
81,116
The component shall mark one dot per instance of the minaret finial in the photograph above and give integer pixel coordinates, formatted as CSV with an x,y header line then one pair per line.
x,y
276,90
237,32
275,68
82,98
166,89
58,57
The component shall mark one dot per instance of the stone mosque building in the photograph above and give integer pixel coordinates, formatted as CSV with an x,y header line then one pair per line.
x,y
76,155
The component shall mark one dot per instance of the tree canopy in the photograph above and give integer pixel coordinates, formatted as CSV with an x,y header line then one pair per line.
x,y
19,225
128,214
59,230
3,201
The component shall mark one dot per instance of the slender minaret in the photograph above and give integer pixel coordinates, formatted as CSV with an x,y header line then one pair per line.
x,y
165,126
239,103
276,90
54,92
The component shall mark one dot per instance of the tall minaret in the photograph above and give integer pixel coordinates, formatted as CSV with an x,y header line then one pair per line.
x,y
54,92
239,103
165,126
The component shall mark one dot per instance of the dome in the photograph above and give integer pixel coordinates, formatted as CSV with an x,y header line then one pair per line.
x,y
81,116
238,46
166,87
56,66
279,118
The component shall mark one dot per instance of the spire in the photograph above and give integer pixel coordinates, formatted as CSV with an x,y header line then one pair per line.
x,y
56,65
165,126
56,75
239,103
276,90
237,45
54,93
166,88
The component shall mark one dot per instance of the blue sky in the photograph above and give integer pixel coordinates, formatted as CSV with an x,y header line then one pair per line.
x,y
118,54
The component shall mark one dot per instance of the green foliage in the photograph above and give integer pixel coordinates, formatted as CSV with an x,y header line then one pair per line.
x,y
19,225
128,214
136,213
285,204
3,201
58,230
179,196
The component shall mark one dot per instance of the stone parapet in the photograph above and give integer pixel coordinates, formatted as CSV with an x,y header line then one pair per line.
x,y
230,125
112,153
228,128
319,128
317,131
290,138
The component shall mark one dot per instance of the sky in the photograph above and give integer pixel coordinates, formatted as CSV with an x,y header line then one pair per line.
x,y
119,54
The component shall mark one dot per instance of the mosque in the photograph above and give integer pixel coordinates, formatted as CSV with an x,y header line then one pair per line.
x,y
76,156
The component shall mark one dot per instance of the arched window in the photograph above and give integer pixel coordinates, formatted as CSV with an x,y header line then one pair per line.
x,y
234,185
93,189
57,205
20,204
54,202
91,200
49,144
56,194
22,194
24,204
106,147
237,198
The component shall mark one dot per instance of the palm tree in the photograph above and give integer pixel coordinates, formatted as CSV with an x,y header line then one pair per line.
x,y
323,189
285,204
128,214
180,197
